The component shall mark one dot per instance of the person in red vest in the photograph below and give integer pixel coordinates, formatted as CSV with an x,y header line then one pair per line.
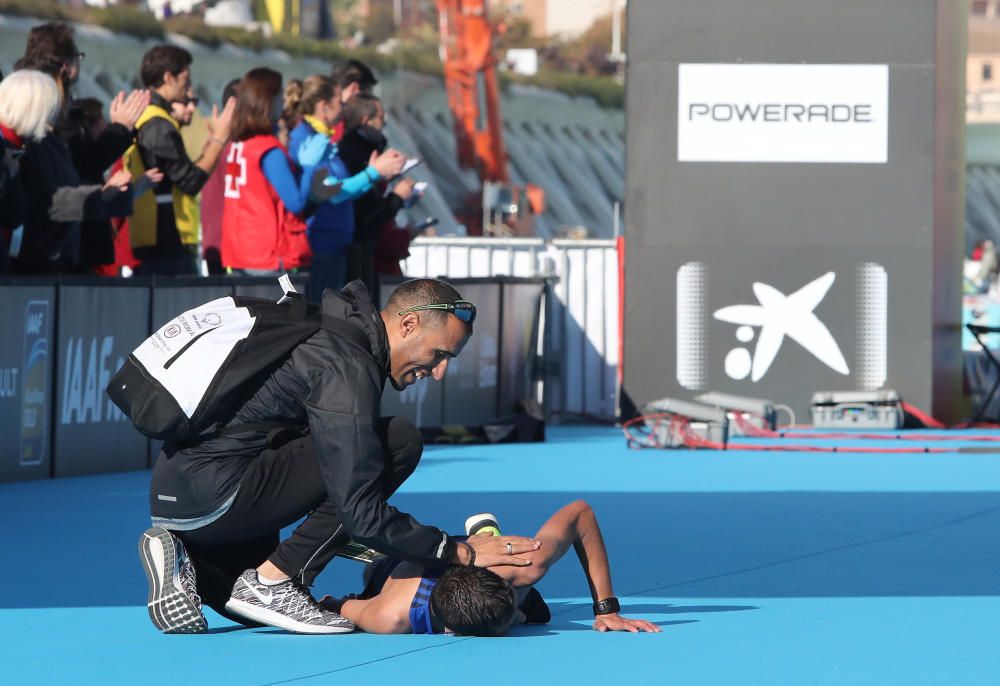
x,y
263,231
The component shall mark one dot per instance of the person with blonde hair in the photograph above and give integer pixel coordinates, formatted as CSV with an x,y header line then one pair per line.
x,y
48,240
29,101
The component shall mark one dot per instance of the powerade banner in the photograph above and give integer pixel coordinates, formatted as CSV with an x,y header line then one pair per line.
x,y
98,328
783,113
26,365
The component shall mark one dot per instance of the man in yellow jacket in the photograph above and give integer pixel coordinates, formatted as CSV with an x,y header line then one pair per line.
x,y
164,229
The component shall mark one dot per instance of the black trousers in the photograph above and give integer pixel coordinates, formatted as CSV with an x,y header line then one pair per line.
x,y
279,488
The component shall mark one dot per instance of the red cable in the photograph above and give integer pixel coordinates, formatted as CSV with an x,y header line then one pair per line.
x,y
620,249
680,426
927,420
759,432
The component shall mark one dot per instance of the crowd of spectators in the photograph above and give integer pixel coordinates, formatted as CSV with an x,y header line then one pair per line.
x,y
291,176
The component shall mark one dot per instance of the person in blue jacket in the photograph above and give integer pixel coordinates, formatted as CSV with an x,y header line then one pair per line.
x,y
331,228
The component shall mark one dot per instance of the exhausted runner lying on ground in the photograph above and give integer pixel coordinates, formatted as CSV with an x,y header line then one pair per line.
x,y
401,597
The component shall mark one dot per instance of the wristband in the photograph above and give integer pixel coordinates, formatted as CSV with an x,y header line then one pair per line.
x,y
220,141
607,606
472,554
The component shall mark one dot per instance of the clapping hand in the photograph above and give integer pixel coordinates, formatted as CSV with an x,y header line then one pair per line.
x,y
127,110
220,123
388,164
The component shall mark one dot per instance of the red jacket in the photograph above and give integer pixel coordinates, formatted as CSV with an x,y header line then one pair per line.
x,y
211,208
258,232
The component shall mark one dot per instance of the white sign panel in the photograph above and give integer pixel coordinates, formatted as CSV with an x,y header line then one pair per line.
x,y
783,113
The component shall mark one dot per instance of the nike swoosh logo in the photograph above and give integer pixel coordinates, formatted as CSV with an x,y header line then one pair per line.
x,y
266,599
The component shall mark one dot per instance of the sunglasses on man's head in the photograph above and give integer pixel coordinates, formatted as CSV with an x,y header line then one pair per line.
x,y
462,309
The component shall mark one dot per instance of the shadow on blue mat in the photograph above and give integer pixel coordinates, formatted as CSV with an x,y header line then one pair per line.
x,y
80,546
555,627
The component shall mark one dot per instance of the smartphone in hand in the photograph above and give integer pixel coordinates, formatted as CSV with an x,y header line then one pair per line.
x,y
425,224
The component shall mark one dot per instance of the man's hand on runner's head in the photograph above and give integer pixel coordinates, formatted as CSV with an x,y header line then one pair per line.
x,y
492,551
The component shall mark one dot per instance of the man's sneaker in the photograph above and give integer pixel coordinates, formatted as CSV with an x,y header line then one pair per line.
x,y
482,523
173,603
287,606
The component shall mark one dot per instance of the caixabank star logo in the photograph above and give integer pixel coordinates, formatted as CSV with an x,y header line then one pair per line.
x,y
781,317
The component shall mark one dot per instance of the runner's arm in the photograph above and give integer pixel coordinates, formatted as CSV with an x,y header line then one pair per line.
x,y
383,614
576,525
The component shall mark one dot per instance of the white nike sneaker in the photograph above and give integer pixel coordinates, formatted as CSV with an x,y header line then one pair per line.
x,y
286,606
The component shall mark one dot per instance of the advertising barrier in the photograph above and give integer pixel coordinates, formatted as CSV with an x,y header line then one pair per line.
x,y
66,337
26,377
97,328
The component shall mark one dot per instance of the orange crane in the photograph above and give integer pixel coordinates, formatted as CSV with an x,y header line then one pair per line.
x,y
470,75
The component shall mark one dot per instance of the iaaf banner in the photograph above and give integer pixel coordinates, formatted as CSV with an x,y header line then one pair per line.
x,y
26,364
783,113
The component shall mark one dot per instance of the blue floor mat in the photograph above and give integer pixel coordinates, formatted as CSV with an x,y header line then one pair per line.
x,y
762,568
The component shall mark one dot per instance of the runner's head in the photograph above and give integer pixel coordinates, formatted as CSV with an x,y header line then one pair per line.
x,y
473,601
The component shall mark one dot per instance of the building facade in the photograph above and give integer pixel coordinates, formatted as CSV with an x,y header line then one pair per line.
x,y
566,18
982,71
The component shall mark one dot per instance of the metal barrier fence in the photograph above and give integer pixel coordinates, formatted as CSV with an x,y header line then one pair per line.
x,y
580,341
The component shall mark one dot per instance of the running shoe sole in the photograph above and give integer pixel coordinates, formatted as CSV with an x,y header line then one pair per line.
x,y
171,609
279,620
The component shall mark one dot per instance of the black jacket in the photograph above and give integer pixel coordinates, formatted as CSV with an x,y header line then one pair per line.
x,y
11,199
161,146
92,157
372,210
55,204
335,387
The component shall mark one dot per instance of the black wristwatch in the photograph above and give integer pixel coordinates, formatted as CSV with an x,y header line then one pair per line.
x,y
607,606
